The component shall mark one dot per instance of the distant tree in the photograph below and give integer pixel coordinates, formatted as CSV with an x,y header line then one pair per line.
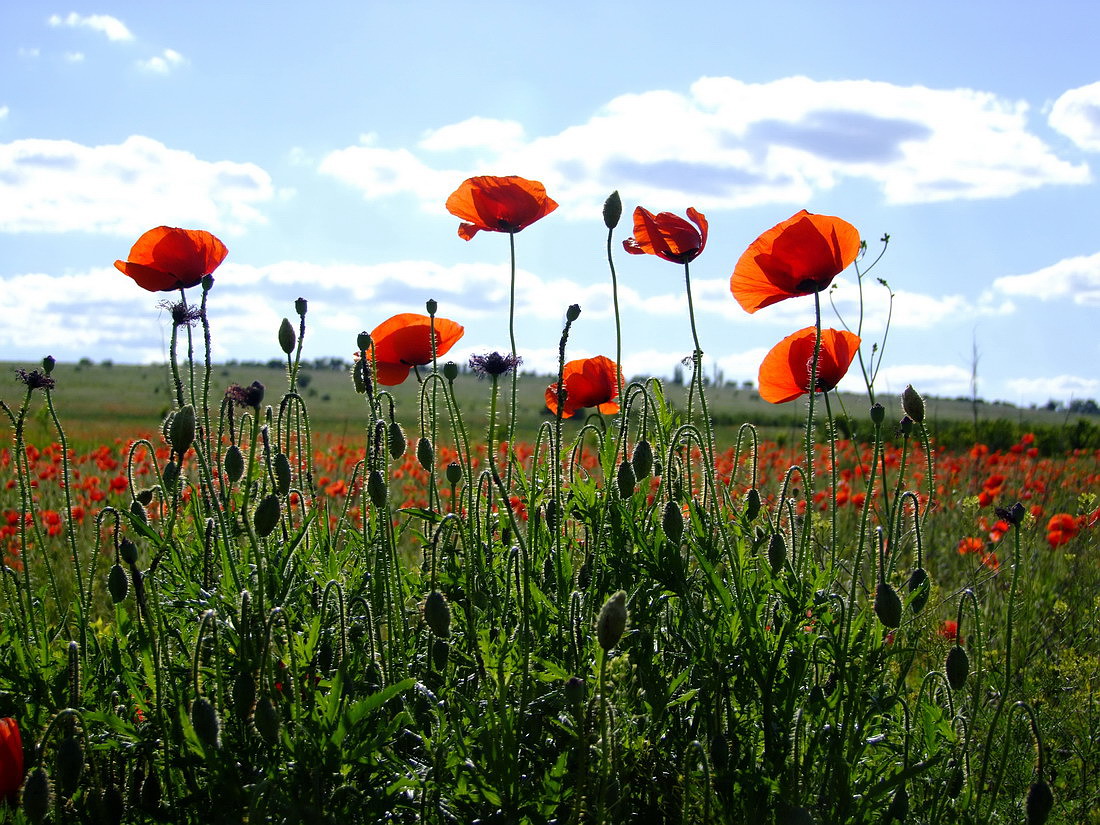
x,y
1084,406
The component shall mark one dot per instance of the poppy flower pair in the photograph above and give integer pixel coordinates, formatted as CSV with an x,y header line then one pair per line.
x,y
166,258
589,382
405,341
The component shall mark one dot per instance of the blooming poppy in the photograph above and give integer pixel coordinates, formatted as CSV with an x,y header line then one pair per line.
x,y
589,382
799,256
166,258
668,236
498,204
11,758
405,340
785,371
1061,528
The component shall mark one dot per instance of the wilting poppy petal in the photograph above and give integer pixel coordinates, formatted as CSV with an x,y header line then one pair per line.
x,y
799,256
498,204
11,758
405,340
785,371
668,236
166,258
589,382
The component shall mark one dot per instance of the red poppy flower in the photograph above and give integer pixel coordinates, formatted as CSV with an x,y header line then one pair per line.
x,y
785,371
498,204
165,258
668,236
405,340
800,256
589,382
1061,528
11,758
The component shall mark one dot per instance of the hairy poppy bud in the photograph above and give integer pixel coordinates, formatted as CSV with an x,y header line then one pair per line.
x,y
171,475
878,413
396,439
181,432
912,403
424,453
48,364
752,504
117,583
887,605
672,521
36,795
287,338
956,778
207,725
267,515
70,765
282,474
144,496
906,425
611,622
138,512
450,370
440,651
625,480
244,695
777,552
956,667
127,550
437,614
642,459
454,473
553,514
574,690
612,210
918,589
233,463
376,489
266,720
1038,803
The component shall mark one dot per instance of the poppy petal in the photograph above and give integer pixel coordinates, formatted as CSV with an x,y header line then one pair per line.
x,y
785,371
498,204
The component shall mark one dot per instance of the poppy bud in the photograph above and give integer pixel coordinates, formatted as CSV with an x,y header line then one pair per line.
x,y
878,413
233,463
424,453
70,765
117,583
266,720
267,515
207,282
396,439
128,551
48,364
112,804
437,614
300,306
752,504
244,695
956,667
454,473
151,792
906,425
956,778
450,370
207,725
625,480
440,652
282,474
376,488
553,514
777,552
642,459
181,432
171,475
287,338
1038,803
36,795
138,512
573,313
887,605
612,210
672,521
144,496
611,622
918,589
431,306
899,806
913,404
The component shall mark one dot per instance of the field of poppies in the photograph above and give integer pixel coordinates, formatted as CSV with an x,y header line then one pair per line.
x,y
621,614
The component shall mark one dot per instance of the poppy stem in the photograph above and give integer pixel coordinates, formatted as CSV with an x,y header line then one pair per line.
x,y
618,328
512,341
807,527
697,376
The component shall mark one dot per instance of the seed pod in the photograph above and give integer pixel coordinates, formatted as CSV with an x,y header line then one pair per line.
x,y
424,453
281,466
127,550
1038,803
752,504
625,480
437,614
117,583
181,432
287,338
919,588
672,522
878,413
244,695
611,623
376,489
207,725
887,605
396,439
36,795
450,371
899,806
454,473
912,403
70,765
642,459
266,720
267,515
777,552
956,667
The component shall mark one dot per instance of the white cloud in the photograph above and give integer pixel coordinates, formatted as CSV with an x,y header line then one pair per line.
x,y
728,144
62,186
1058,386
1076,114
74,57
1075,278
162,63
941,380
4,110
114,28
28,52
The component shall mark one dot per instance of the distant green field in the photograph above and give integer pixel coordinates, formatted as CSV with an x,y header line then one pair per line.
x,y
100,402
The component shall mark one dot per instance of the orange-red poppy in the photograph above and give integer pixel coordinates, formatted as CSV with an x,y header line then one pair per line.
x,y
800,256
11,758
589,382
405,341
785,371
166,258
498,204
668,236
1061,529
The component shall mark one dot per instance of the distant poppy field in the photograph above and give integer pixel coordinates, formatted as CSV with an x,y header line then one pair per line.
x,y
621,613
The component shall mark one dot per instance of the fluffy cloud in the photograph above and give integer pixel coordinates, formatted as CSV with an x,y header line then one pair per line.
x,y
1057,386
1077,279
114,28
748,144
941,380
1076,114
162,63
62,186
4,110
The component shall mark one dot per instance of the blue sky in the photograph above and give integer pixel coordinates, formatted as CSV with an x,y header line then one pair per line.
x,y
320,143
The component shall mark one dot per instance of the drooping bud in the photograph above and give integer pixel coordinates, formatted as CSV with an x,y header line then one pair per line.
x,y
36,795
397,442
145,497
282,474
376,489
437,614
912,404
956,667
611,623
424,453
612,210
266,720
899,806
181,432
244,695
127,550
672,521
267,515
752,504
117,583
887,605
70,764
777,552
956,778
171,475
919,589
287,337
138,512
1038,803
574,690
642,459
207,725
625,480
